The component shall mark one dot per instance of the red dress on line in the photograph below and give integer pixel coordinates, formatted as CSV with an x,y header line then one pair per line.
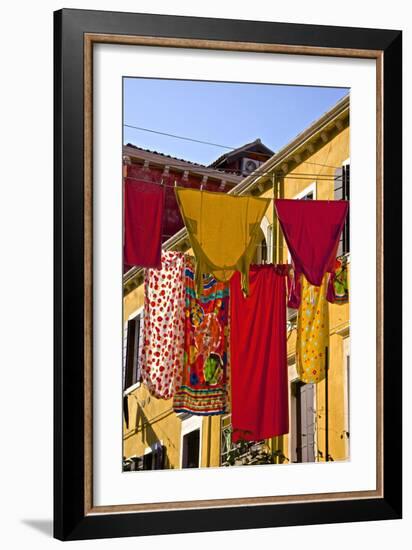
x,y
258,360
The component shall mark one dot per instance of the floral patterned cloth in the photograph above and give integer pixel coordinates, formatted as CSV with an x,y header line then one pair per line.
x,y
163,333
340,281
203,390
312,331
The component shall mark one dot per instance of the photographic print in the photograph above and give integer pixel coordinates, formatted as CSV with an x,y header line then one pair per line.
x,y
236,274
225,352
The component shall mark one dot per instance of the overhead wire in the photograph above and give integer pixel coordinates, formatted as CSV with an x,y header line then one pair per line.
x,y
204,142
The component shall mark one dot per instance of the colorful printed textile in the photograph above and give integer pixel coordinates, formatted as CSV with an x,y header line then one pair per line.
x,y
312,231
258,360
163,331
203,391
312,332
143,223
223,230
340,282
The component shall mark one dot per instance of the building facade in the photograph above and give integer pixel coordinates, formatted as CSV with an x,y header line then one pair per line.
x,y
315,165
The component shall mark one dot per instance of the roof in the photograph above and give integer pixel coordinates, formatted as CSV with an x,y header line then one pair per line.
x,y
155,158
254,146
165,156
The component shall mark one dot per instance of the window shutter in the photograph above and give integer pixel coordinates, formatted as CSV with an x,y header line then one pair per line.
x,y
307,423
131,337
124,354
310,423
338,184
346,196
139,348
136,349
338,195
303,423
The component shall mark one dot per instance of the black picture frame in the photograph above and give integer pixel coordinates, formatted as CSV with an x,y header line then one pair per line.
x,y
71,522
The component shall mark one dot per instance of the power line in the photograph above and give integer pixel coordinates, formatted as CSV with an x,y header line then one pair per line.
x,y
179,137
185,138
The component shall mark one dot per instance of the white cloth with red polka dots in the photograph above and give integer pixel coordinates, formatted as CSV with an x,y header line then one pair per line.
x,y
163,332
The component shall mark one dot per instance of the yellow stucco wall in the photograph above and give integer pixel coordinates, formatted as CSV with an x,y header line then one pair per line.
x,y
331,155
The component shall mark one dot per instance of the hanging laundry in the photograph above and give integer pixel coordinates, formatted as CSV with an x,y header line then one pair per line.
x,y
338,291
223,232
163,330
312,231
312,332
258,364
143,223
203,391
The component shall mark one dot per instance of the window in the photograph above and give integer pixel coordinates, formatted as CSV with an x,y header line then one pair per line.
x,y
342,192
191,448
261,254
308,194
153,459
308,197
190,440
133,343
303,422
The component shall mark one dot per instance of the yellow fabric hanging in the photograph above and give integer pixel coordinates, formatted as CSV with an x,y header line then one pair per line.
x,y
223,232
312,332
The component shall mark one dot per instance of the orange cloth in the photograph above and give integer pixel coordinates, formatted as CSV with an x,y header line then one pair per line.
x,y
312,331
223,232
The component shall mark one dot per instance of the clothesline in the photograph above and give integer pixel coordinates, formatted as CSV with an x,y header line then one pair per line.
x,y
314,177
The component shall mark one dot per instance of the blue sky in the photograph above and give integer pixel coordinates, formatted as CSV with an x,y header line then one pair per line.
x,y
225,113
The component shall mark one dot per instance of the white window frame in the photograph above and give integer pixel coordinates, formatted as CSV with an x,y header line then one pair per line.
x,y
267,231
190,423
132,316
311,188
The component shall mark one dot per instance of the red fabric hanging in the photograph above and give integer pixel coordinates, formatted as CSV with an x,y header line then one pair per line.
x,y
143,221
312,231
258,354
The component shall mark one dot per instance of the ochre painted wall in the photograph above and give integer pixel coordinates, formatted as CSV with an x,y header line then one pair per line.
x,y
331,155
